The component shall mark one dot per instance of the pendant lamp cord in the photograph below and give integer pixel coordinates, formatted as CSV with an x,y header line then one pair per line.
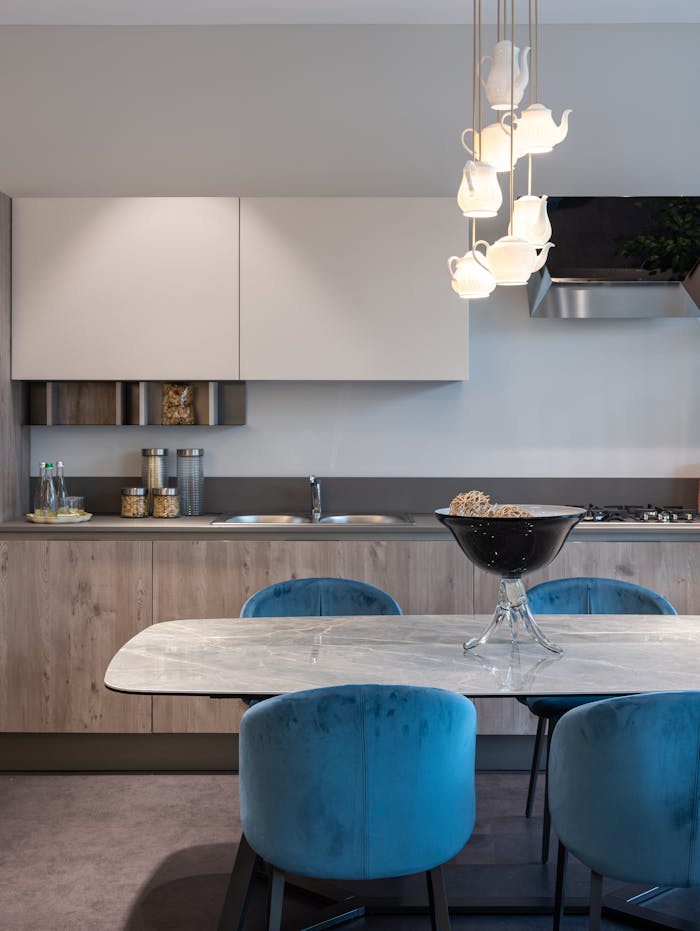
x,y
512,97
537,53
529,94
470,226
474,85
529,36
479,73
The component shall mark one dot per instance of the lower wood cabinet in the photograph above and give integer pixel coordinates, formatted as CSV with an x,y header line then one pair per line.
x,y
214,578
65,609
669,568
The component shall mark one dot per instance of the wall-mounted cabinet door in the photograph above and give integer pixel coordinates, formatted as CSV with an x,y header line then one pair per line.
x,y
351,288
125,288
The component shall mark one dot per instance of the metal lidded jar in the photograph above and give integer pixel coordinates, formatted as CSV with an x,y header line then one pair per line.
x,y
134,501
166,502
154,471
190,481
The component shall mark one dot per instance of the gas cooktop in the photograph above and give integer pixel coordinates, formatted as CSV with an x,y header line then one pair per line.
x,y
651,513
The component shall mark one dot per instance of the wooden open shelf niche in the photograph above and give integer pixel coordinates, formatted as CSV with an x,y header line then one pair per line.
x,y
129,403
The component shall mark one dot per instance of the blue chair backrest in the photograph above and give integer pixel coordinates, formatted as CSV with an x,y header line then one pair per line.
x,y
358,781
624,787
319,597
588,595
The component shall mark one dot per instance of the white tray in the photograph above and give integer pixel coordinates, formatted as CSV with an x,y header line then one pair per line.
x,y
59,518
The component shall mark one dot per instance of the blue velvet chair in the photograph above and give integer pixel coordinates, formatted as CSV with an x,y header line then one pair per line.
x,y
358,782
319,597
582,595
624,792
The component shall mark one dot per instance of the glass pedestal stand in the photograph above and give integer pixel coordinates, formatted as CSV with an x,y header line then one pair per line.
x,y
511,547
513,608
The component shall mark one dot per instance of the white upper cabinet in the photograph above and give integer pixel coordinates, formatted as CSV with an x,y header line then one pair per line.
x,y
351,288
125,288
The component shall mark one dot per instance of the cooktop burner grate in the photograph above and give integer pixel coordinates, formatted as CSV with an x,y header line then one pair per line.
x,y
650,513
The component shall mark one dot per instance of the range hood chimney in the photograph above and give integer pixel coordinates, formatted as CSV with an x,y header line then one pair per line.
x,y
620,257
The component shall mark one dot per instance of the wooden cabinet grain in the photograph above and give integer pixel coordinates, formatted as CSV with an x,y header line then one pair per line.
x,y
65,609
667,567
67,606
213,579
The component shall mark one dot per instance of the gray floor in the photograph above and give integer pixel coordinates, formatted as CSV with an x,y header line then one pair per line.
x,y
152,852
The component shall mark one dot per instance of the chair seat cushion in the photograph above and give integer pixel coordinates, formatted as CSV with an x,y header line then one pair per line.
x,y
554,706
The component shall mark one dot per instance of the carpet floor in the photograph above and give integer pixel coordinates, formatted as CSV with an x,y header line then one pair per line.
x,y
153,852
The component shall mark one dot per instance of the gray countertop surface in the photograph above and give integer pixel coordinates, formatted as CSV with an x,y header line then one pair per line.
x,y
424,526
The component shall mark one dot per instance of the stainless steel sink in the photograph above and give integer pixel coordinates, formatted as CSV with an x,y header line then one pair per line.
x,y
252,519
367,519
260,519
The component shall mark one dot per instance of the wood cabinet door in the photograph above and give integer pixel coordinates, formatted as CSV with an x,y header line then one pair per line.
x,y
65,610
213,579
668,568
125,288
351,288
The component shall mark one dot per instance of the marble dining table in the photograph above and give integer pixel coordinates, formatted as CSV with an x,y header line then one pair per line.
x,y
258,657
601,654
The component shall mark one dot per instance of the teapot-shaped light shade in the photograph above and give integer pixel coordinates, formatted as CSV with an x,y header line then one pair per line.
x,y
536,132
530,220
472,275
513,260
492,145
479,194
498,84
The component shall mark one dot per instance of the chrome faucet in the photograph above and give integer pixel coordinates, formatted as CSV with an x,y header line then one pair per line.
x,y
315,498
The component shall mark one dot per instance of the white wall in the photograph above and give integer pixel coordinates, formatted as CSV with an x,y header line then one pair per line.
x,y
378,110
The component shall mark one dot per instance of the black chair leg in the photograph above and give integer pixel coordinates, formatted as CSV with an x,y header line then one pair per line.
x,y
437,896
275,898
236,902
596,903
535,765
560,887
546,820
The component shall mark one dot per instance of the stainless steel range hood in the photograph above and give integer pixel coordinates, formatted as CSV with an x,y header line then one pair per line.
x,y
620,257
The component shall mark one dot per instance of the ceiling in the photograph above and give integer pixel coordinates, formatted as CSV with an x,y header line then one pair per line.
x,y
339,12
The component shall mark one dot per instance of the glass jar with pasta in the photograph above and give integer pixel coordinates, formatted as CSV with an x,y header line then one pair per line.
x,y
177,404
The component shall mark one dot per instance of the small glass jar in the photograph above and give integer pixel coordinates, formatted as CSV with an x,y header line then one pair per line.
x,y
134,502
154,471
166,502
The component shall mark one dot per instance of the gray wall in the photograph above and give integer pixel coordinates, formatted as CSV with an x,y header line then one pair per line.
x,y
378,110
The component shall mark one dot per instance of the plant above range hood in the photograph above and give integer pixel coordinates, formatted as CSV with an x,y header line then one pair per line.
x,y
620,257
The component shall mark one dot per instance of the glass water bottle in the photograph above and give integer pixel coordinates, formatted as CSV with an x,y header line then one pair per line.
x,y
60,487
47,492
38,490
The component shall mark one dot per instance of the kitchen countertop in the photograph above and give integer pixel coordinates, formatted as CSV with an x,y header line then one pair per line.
x,y
425,527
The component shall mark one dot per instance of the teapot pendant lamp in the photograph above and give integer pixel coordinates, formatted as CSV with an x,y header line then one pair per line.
x,y
510,260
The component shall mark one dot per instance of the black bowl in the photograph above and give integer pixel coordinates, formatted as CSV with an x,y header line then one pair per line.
x,y
513,546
